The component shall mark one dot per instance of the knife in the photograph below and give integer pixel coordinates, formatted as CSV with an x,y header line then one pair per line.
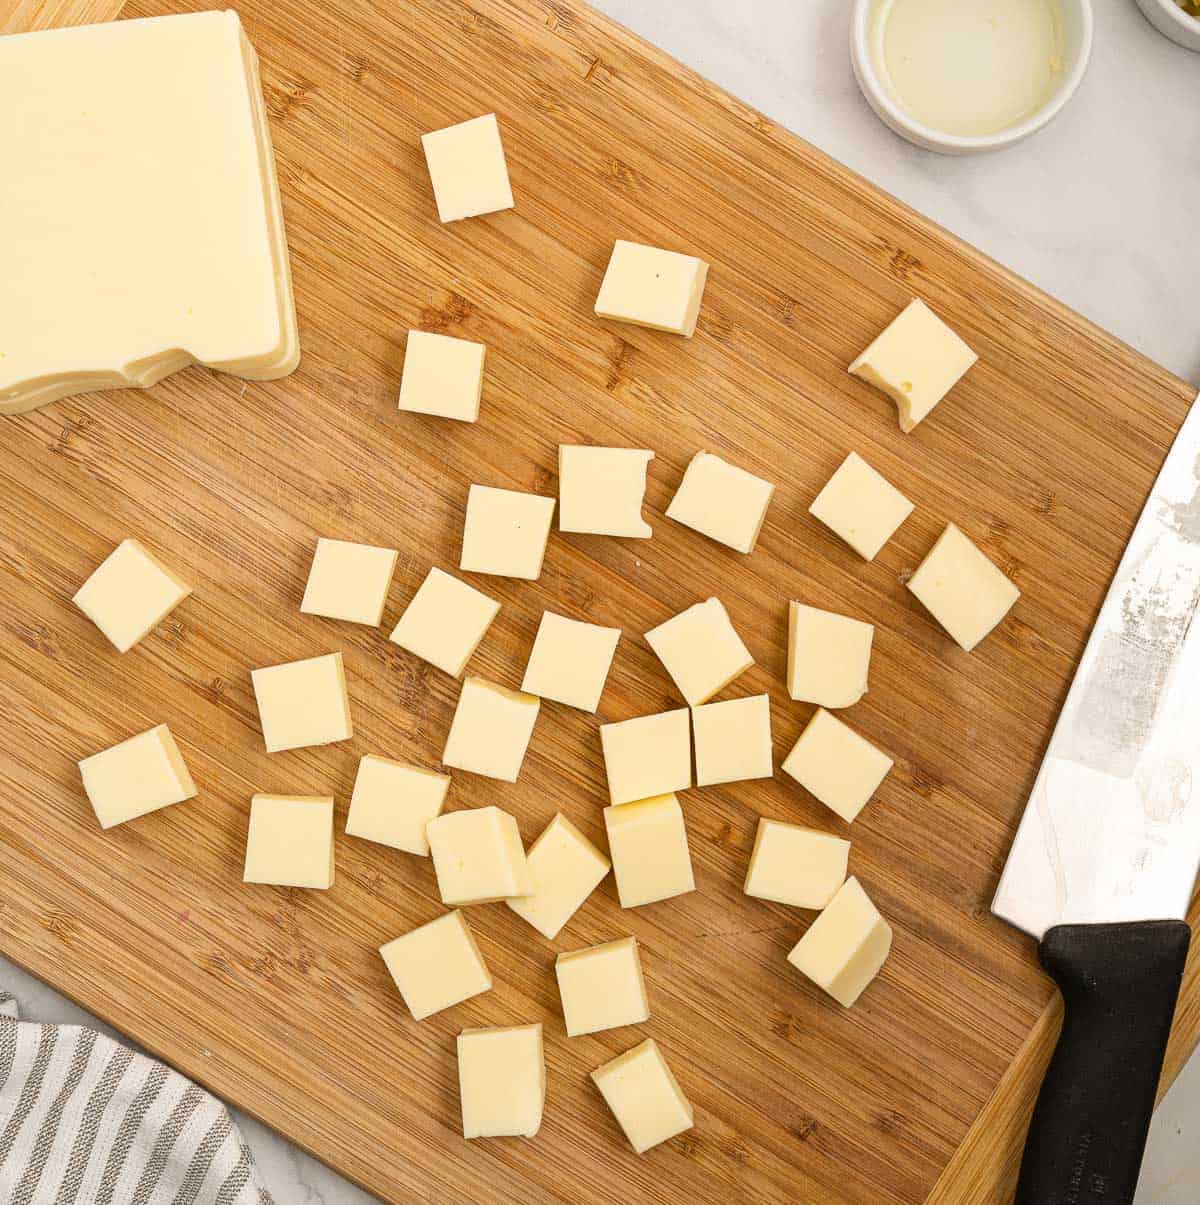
x,y
1104,862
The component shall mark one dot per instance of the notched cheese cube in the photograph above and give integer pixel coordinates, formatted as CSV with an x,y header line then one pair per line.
x,y
566,868
501,1081
846,945
834,763
349,581
601,987
861,506
721,501
437,965
600,491
962,589
445,621
651,287
490,730
733,740
443,376
393,802
649,755
829,656
478,856
303,703
570,661
916,361
140,775
649,848
290,841
644,1096
795,865
467,169
700,650
505,532
129,594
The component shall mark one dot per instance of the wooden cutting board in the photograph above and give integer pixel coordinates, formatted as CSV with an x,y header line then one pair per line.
x,y
276,999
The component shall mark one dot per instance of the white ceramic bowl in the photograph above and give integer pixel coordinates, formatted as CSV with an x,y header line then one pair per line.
x,y
1168,18
1077,16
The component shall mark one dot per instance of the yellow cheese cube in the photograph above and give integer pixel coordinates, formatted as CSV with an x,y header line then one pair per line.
x,y
828,656
505,532
349,581
962,589
129,594
565,868
916,361
601,987
721,501
600,491
490,730
478,856
651,287
733,740
570,661
644,1096
467,169
290,841
303,703
437,965
140,775
649,755
649,849
445,621
835,764
443,376
794,865
846,945
501,1081
861,506
393,802
700,650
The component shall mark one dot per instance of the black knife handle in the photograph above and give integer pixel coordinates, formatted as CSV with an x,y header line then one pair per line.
x,y
1119,983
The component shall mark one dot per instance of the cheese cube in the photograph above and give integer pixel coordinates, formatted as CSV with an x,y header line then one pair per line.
x,y
846,945
651,287
721,501
393,802
650,755
602,987
733,740
794,865
648,844
916,361
129,594
566,868
445,621
501,1081
140,775
437,965
490,730
290,841
467,169
349,581
828,656
303,703
570,661
644,1096
700,650
600,491
835,764
478,856
962,589
442,376
505,533
861,506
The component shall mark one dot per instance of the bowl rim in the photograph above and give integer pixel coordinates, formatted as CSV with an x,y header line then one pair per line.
x,y
881,96
1184,21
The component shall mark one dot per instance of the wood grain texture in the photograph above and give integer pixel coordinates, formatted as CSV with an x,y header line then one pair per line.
x,y
276,998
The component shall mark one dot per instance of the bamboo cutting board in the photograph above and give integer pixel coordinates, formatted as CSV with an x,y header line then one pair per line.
x,y
276,999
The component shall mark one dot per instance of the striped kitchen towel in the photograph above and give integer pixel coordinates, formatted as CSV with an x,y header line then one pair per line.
x,y
86,1121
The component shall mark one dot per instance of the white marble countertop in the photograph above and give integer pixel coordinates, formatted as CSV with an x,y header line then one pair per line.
x,y
1099,210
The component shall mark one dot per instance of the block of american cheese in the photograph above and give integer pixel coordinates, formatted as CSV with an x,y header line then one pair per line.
x,y
700,650
651,287
139,775
349,581
501,1081
916,361
795,865
834,763
129,594
845,947
829,656
179,256
721,501
861,506
505,532
962,589
600,491
290,841
436,965
644,1096
445,621
601,987
649,848
566,868
467,169
478,856
303,703
732,740
491,729
649,755
570,660
393,802
443,376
